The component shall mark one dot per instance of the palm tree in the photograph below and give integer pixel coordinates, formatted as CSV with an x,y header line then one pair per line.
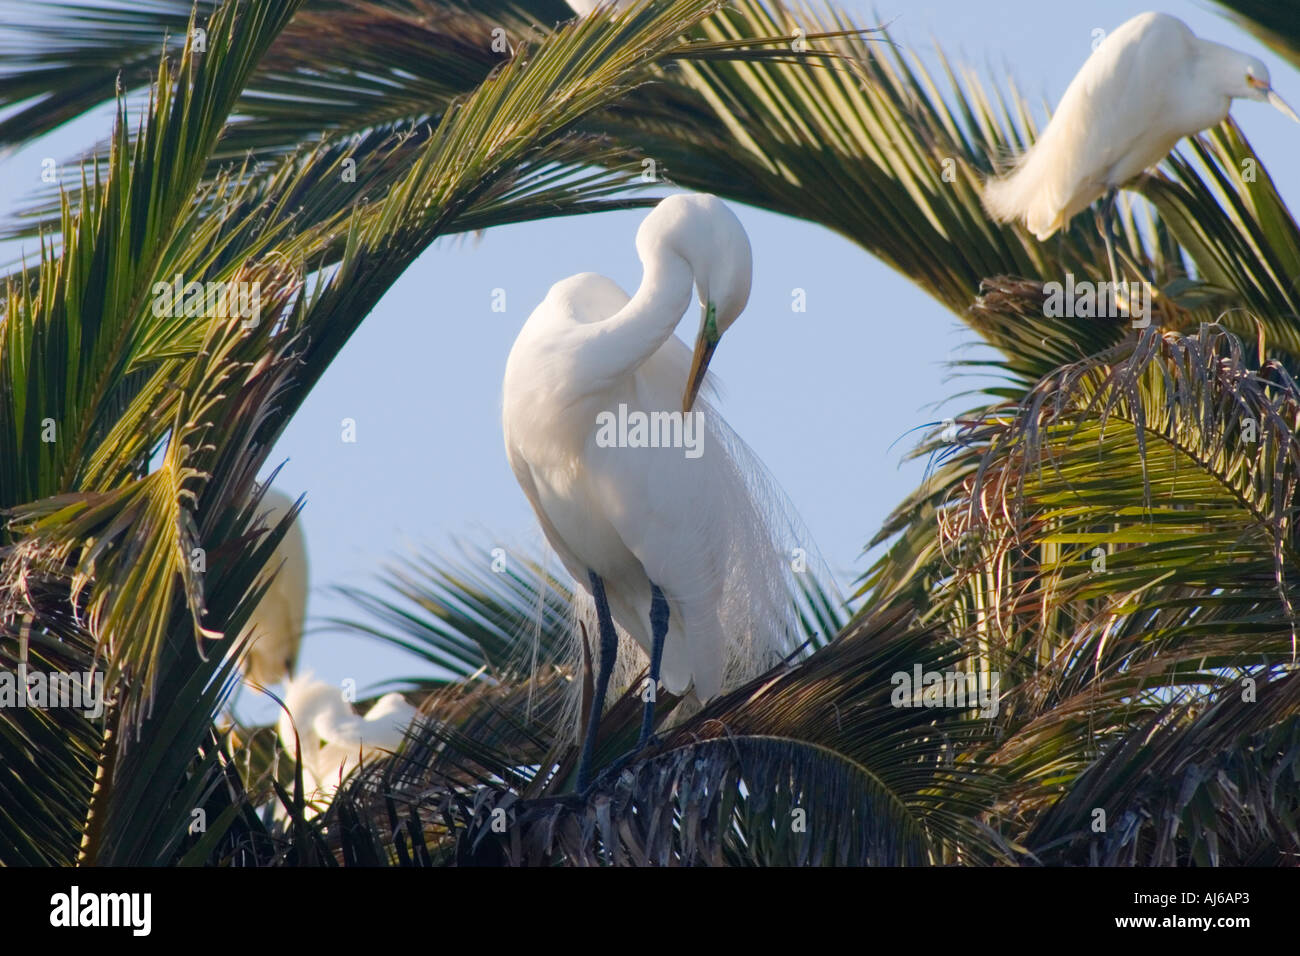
x,y
1109,530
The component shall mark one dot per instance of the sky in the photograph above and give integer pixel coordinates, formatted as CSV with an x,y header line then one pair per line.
x,y
828,398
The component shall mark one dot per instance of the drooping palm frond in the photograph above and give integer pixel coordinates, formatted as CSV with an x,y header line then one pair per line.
x,y
69,57
742,800
1120,540
81,507
825,738
59,746
898,156
1171,793
1277,24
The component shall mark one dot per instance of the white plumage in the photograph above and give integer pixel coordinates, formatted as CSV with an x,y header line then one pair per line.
x,y
278,618
1150,83
697,527
335,739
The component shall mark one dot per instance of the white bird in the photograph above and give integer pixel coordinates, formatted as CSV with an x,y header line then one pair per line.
x,y
678,550
335,739
277,621
1145,87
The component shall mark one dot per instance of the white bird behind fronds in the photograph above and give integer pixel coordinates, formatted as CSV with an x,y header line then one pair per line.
x,y
279,617
1146,86
335,738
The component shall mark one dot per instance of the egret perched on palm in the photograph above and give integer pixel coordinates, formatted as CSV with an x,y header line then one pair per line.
x,y
678,550
331,738
1149,84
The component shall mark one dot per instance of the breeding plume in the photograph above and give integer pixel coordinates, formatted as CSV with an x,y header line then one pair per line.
x,y
1149,84
278,618
673,542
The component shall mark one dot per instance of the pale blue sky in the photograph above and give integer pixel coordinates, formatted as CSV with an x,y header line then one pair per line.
x,y
820,396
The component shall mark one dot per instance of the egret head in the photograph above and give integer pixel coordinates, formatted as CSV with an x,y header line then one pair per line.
x,y
1251,81
703,231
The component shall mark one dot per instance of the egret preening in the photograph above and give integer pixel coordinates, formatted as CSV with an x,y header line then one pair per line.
x,y
335,739
277,621
677,550
1148,84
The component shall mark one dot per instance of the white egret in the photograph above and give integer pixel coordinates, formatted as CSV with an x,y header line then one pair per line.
x,y
1145,87
277,621
335,739
674,546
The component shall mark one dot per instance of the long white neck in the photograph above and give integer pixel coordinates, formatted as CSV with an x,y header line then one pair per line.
x,y
619,345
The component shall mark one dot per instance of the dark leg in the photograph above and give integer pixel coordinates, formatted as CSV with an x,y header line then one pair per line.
x,y
1105,224
604,670
658,631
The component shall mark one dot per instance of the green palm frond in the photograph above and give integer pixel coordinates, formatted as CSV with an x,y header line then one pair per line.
x,y
59,746
897,155
1178,791
1192,508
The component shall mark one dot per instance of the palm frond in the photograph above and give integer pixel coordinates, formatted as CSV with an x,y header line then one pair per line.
x,y
1276,24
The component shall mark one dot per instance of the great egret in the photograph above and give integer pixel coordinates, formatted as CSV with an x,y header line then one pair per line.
x,y
277,621
1145,87
674,546
335,739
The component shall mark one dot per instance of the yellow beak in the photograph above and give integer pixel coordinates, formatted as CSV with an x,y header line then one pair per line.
x,y
1274,100
1281,105
705,343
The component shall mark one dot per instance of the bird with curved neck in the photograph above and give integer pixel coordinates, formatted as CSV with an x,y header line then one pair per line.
x,y
670,545
319,727
1149,84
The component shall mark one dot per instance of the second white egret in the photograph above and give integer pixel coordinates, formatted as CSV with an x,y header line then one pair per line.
x,y
638,484
335,739
1146,86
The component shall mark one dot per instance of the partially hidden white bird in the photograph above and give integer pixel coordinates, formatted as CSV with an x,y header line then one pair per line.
x,y
678,550
1146,86
277,621
335,738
